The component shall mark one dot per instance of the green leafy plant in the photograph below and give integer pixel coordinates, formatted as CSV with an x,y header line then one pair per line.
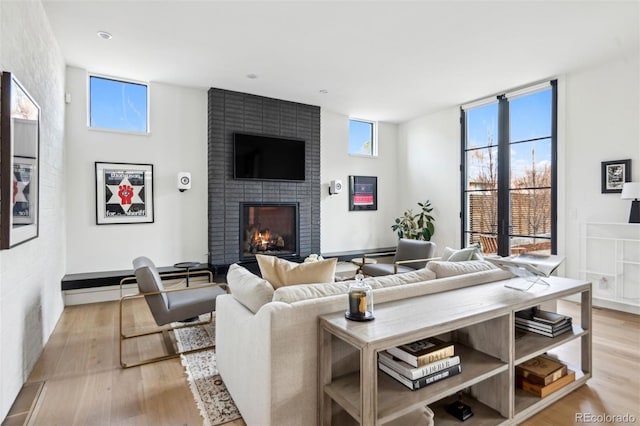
x,y
417,226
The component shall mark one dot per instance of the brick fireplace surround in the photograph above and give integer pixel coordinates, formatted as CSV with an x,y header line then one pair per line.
x,y
229,112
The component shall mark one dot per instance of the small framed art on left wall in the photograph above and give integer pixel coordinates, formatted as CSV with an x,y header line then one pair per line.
x,y
19,163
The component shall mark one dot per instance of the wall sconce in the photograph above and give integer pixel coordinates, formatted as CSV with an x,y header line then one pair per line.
x,y
631,191
184,181
335,187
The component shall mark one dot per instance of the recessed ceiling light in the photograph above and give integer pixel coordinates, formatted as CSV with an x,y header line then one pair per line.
x,y
252,76
104,35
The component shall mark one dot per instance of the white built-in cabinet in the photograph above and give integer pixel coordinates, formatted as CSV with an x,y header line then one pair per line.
x,y
610,259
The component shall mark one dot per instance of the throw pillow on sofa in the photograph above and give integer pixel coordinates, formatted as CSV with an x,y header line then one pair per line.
x,y
472,252
248,289
281,272
478,254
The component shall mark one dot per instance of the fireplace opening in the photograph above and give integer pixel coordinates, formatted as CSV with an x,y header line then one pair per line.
x,y
268,228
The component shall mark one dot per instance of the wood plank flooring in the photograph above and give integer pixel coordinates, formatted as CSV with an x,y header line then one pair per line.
x,y
84,384
614,388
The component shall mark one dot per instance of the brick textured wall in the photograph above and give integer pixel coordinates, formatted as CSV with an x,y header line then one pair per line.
x,y
30,300
230,112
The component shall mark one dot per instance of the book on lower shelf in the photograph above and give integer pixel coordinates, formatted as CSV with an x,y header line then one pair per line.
x,y
544,332
548,317
413,373
541,370
422,381
542,391
546,323
423,352
543,375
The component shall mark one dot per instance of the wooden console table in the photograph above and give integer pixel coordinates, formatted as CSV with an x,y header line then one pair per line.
x,y
480,320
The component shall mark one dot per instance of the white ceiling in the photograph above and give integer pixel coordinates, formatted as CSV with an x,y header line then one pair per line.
x,y
379,60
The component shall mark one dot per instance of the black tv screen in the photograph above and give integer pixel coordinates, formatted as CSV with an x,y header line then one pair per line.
x,y
268,157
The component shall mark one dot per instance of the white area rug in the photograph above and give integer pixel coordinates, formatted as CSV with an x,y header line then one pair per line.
x,y
211,395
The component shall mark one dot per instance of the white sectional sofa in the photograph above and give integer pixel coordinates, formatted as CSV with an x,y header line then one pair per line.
x,y
267,340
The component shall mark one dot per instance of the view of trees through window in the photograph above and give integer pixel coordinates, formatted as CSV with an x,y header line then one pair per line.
x,y
509,176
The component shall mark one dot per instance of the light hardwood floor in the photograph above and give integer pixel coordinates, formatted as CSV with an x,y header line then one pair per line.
x,y
82,383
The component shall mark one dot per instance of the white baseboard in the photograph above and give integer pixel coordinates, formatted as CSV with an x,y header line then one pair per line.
x,y
97,294
112,292
608,304
618,306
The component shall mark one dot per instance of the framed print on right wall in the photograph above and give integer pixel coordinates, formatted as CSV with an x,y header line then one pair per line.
x,y
614,174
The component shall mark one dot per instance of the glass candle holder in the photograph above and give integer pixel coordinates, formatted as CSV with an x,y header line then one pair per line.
x,y
360,300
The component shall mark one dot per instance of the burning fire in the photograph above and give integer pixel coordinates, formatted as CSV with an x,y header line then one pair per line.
x,y
266,240
262,240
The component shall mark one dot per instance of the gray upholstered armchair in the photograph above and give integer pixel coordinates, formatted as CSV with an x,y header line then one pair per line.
x,y
168,305
410,255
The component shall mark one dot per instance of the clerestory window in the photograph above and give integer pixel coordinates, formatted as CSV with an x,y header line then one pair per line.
x,y
118,105
362,138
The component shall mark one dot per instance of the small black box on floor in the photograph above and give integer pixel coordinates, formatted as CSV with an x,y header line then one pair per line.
x,y
459,409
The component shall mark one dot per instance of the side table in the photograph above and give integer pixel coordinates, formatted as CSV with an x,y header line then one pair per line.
x,y
358,260
187,266
359,263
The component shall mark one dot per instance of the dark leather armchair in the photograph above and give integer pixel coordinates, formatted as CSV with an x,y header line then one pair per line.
x,y
168,305
410,255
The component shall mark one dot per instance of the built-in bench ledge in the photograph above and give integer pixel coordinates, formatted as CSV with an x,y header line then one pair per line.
x,y
108,278
348,255
91,287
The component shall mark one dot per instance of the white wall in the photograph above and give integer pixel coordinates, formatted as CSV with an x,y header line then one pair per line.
x,y
30,298
602,124
178,142
429,161
598,110
344,230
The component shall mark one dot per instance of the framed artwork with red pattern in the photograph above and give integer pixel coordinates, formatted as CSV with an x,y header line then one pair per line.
x,y
124,193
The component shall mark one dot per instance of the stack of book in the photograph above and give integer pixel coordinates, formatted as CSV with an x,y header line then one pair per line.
x,y
420,363
547,323
543,375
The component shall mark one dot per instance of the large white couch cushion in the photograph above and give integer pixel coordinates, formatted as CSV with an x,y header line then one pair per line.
x,y
248,289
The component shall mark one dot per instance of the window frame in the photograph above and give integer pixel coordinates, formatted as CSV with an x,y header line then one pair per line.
x,y
146,84
374,138
504,167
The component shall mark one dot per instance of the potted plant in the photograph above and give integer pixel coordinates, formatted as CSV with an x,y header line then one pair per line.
x,y
417,226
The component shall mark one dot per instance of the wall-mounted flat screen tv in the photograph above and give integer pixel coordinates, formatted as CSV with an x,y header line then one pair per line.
x,y
268,157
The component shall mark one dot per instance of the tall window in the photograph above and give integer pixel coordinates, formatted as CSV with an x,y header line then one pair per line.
x,y
362,138
118,105
509,172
